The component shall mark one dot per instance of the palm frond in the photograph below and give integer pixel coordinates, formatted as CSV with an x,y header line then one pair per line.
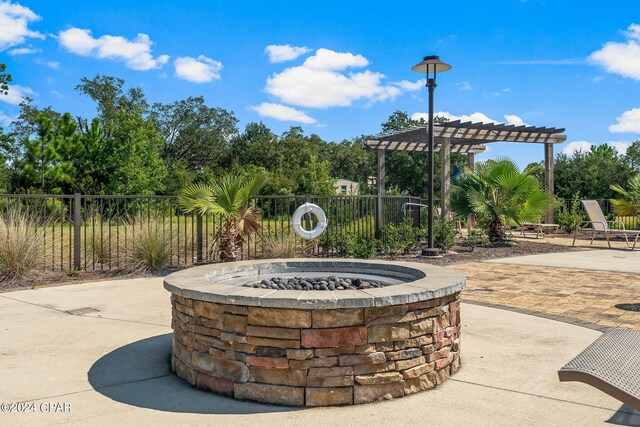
x,y
192,197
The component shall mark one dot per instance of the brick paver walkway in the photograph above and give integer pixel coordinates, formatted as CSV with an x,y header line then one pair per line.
x,y
578,296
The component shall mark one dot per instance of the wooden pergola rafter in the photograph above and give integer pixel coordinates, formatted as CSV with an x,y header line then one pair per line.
x,y
468,138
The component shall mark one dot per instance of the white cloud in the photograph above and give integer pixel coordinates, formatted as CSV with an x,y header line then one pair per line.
x,y
464,85
135,53
14,24
51,64
621,58
286,52
282,113
325,59
197,70
409,86
629,121
619,146
473,117
633,32
506,90
319,82
476,117
5,120
16,93
78,41
23,51
576,146
512,119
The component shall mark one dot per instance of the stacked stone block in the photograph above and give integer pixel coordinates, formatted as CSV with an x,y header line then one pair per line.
x,y
316,357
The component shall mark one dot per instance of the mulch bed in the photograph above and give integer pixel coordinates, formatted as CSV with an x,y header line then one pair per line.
x,y
457,255
59,278
509,248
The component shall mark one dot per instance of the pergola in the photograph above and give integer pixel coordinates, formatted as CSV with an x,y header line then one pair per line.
x,y
468,138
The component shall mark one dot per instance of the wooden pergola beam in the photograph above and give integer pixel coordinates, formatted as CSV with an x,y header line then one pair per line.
x,y
468,138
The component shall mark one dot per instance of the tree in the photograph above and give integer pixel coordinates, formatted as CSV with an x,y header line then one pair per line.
x,y
499,193
5,78
7,141
632,156
26,123
296,163
536,170
110,97
229,197
351,160
408,171
194,134
591,173
44,167
135,163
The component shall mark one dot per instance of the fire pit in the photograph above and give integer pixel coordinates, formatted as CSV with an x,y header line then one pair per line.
x,y
392,330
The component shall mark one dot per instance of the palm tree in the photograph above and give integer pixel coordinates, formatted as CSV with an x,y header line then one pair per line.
x,y
229,197
499,193
629,204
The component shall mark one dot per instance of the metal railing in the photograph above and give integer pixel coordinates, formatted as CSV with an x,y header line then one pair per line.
x,y
96,232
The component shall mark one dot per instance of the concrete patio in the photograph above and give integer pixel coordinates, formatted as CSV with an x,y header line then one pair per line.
x,y
112,367
622,261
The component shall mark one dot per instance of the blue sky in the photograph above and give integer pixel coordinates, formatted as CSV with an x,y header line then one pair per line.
x,y
339,68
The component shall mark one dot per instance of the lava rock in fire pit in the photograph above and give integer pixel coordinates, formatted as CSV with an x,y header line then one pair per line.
x,y
332,283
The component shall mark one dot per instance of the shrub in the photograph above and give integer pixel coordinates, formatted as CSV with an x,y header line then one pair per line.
x,y
475,237
444,234
149,248
352,245
568,217
399,239
284,246
365,248
23,250
97,245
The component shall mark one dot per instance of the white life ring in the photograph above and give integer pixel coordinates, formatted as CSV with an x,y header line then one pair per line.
x,y
309,208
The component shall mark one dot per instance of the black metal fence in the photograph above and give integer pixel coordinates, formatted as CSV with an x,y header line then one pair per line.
x,y
94,233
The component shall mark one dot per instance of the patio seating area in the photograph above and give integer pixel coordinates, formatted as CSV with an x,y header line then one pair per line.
x,y
110,363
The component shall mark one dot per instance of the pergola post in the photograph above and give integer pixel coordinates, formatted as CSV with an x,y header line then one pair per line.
x,y
548,178
380,192
471,164
445,181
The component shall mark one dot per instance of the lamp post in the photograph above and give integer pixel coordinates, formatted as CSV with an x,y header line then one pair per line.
x,y
431,65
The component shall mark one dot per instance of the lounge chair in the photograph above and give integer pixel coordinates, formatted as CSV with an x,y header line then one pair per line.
x,y
538,228
599,224
611,364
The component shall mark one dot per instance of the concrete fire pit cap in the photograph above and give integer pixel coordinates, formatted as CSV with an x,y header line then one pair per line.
x,y
222,283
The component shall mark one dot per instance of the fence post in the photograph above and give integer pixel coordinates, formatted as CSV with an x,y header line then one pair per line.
x,y
415,211
307,218
199,238
77,223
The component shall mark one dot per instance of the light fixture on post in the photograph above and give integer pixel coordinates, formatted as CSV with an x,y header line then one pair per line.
x,y
431,65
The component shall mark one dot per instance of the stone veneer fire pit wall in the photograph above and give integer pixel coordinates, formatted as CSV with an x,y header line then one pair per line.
x,y
315,348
